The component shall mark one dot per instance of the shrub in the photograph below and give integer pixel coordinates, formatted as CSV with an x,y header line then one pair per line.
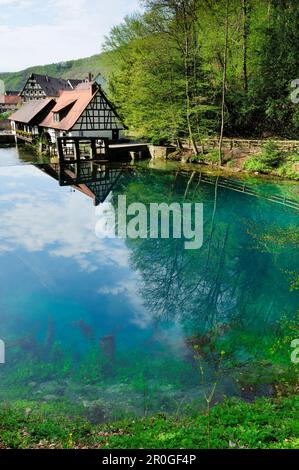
x,y
268,159
287,170
212,156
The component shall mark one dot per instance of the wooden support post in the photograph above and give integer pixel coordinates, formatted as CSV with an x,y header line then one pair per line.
x,y
93,149
94,169
106,143
77,151
60,150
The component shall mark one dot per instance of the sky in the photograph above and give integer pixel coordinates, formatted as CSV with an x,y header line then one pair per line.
x,y
38,32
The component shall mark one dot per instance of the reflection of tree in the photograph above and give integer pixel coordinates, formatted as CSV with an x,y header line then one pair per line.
x,y
229,280
274,241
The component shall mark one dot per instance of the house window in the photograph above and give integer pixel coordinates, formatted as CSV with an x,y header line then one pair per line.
x,y
56,117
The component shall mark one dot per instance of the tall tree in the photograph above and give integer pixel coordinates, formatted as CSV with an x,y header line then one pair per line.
x,y
246,26
224,80
182,27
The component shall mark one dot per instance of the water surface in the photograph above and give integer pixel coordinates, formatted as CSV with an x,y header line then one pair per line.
x,y
139,326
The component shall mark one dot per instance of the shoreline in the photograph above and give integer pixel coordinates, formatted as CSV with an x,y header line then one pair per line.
x,y
266,423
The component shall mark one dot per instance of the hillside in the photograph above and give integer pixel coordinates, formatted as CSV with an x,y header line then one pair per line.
x,y
78,68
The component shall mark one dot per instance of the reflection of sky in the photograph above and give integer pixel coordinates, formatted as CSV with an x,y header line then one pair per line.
x,y
52,261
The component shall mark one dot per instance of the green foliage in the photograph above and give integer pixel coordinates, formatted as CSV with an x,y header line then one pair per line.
x,y
270,155
271,160
212,157
71,69
266,160
161,88
149,81
4,116
166,91
276,64
263,424
149,78
287,169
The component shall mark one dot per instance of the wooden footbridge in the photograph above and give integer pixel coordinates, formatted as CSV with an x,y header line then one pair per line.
x,y
78,149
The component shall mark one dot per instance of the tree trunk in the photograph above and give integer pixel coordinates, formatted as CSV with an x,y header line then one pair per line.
x,y
224,83
188,33
188,95
245,43
179,143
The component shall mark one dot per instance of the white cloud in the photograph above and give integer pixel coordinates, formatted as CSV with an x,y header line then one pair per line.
x,y
18,3
58,30
38,220
36,215
129,288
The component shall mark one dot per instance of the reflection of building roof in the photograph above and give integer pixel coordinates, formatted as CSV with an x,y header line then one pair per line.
x,y
96,185
32,109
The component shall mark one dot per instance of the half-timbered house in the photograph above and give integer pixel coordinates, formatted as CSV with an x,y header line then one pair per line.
x,y
25,121
83,112
38,87
9,101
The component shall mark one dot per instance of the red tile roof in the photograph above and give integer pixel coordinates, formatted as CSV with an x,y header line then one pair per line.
x,y
77,100
62,105
30,110
12,99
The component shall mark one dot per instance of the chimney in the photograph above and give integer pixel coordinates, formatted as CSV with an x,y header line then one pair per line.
x,y
90,77
94,87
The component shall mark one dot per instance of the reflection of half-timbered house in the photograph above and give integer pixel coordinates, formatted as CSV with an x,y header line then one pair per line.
x,y
94,180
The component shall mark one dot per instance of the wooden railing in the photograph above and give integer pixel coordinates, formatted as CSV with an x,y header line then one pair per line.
x,y
243,187
247,144
252,144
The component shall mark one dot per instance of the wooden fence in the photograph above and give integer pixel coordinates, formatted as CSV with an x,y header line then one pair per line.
x,y
250,145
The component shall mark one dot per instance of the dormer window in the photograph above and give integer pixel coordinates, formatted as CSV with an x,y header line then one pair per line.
x,y
56,117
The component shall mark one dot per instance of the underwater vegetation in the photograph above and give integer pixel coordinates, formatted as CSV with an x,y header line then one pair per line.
x,y
146,332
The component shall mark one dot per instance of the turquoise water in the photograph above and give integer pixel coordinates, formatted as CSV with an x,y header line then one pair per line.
x,y
139,326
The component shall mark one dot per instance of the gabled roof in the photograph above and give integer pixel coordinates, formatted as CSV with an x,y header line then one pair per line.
x,y
9,99
12,93
74,82
52,85
80,99
62,104
30,110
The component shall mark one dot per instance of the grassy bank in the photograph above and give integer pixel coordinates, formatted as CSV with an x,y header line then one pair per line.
x,y
266,423
268,161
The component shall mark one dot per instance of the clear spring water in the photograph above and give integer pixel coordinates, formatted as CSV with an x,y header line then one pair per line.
x,y
123,327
